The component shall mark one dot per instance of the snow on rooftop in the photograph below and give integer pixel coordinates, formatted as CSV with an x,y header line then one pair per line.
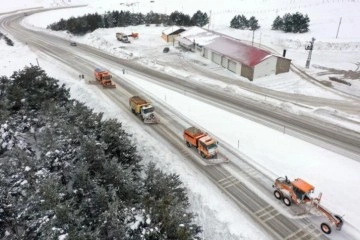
x,y
171,29
238,51
199,35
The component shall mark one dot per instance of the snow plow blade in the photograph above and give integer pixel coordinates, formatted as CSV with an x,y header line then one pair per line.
x,y
152,120
93,82
109,86
213,161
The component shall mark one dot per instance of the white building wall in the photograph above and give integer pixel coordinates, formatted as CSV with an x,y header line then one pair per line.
x,y
207,53
238,68
266,67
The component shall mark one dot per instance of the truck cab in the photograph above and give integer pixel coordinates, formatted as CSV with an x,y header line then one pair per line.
x,y
143,109
208,146
147,111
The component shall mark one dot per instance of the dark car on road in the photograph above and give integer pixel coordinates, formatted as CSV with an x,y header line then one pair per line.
x,y
73,44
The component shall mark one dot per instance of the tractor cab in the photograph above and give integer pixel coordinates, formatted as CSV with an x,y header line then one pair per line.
x,y
302,190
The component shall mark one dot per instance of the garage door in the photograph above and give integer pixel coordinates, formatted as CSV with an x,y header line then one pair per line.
x,y
206,53
232,66
223,62
216,58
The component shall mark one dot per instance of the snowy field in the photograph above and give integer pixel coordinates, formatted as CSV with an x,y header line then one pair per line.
x,y
276,152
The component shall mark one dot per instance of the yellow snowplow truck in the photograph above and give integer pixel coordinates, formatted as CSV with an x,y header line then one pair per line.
x,y
143,109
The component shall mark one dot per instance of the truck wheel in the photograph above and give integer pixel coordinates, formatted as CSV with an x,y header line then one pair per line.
x,y
278,194
133,111
287,201
202,154
325,228
188,144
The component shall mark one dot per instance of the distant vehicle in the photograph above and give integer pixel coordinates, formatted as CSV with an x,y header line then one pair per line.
x,y
73,44
122,37
166,50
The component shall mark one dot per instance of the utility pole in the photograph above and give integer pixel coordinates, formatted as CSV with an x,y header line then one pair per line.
x,y
260,41
309,48
209,20
338,28
252,42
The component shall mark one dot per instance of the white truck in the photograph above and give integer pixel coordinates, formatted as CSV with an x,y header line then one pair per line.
x,y
143,109
122,37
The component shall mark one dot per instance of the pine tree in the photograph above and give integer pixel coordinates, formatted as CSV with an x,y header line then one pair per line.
x,y
169,202
81,176
277,24
243,22
300,22
179,19
296,23
253,24
288,23
199,19
234,23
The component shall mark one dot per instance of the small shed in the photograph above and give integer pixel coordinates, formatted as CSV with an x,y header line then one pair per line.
x,y
170,33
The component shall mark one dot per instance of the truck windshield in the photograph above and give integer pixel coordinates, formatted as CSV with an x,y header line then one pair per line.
x,y
212,146
107,77
148,110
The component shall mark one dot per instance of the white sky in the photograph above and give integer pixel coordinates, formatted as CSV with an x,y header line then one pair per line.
x,y
277,153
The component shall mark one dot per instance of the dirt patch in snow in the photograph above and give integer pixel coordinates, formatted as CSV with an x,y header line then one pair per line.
x,y
346,74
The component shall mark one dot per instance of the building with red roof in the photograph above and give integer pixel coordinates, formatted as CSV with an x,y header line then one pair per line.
x,y
232,54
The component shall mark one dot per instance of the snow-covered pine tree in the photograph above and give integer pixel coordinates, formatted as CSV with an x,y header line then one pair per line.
x,y
277,24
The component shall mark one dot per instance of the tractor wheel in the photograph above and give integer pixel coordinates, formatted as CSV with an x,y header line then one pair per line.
x,y
325,228
278,194
287,201
202,154
188,144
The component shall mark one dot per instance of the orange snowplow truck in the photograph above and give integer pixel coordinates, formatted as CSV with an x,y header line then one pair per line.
x,y
206,145
104,78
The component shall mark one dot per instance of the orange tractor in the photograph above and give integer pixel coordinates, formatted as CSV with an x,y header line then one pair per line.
x,y
104,78
299,192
